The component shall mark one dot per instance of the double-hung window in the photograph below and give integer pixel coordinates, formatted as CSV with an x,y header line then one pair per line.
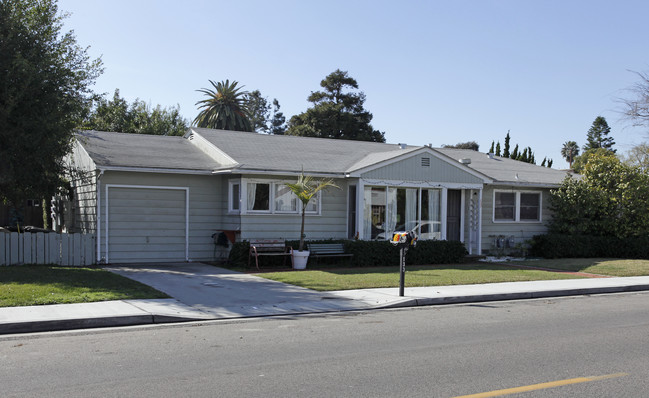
x,y
517,206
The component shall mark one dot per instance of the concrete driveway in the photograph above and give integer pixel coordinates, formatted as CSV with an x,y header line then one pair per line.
x,y
224,293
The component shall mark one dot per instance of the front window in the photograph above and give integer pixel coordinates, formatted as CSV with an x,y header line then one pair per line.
x,y
505,206
258,196
285,199
517,206
530,207
390,209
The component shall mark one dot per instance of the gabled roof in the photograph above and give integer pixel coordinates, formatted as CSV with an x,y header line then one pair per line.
x,y
242,152
507,171
285,153
119,150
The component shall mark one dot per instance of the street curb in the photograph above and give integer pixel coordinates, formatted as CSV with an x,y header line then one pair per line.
x,y
423,301
79,323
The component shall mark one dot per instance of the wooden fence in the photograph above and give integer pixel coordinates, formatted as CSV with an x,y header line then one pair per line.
x,y
47,248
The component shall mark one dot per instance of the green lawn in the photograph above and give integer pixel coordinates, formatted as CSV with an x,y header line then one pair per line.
x,y
36,285
600,266
440,275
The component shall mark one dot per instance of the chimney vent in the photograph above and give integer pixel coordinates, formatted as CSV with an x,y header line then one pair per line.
x,y
465,161
491,155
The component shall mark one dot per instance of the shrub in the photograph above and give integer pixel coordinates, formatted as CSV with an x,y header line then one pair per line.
x,y
584,246
368,253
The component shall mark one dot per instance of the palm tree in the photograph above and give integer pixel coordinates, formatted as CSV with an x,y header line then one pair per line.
x,y
305,189
224,108
570,151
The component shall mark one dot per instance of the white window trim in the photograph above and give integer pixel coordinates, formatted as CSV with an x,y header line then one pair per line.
x,y
231,208
517,207
243,192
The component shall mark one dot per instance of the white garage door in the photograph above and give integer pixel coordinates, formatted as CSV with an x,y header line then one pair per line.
x,y
146,224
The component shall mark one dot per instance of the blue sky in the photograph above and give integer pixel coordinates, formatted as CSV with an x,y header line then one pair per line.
x,y
438,72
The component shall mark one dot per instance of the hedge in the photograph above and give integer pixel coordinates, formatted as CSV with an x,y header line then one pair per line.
x,y
585,246
366,253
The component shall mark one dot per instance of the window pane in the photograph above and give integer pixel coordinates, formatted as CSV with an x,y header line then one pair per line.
x,y
285,199
234,196
504,206
258,196
530,206
312,207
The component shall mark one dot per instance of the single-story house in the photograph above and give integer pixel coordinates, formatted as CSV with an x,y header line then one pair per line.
x,y
157,198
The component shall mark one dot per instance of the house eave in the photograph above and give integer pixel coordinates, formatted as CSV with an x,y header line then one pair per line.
x,y
155,170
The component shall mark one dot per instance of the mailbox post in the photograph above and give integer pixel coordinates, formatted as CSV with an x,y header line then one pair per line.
x,y
403,240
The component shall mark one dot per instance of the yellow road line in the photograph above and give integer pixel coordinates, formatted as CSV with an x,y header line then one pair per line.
x,y
541,386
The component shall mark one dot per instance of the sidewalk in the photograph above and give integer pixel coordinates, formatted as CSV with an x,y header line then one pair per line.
x,y
140,312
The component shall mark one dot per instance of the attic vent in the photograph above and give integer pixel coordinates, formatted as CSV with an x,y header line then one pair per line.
x,y
191,137
425,162
465,161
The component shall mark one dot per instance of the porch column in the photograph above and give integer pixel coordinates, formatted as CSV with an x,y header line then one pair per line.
x,y
479,237
444,211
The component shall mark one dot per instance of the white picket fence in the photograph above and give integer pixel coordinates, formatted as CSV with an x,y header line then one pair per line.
x,y
47,248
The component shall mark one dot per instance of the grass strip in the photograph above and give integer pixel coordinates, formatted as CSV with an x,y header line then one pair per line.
x,y
599,266
39,284
416,276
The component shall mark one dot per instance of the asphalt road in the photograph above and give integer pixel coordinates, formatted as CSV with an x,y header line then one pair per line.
x,y
444,351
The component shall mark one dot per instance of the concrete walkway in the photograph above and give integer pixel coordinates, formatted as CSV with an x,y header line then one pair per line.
x,y
203,292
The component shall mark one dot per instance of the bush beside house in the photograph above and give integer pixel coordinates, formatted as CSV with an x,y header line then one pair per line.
x,y
369,253
603,214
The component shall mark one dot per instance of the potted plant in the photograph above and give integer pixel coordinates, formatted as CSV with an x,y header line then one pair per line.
x,y
306,188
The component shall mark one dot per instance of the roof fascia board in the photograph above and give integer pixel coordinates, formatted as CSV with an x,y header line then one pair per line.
x,y
421,184
154,170
524,184
207,147
276,172
79,145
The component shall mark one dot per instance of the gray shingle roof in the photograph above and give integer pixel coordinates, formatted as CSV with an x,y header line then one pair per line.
x,y
505,170
291,153
276,153
109,149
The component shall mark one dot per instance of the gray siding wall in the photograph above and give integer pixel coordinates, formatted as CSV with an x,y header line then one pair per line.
x,y
82,211
411,169
206,204
521,231
84,202
331,223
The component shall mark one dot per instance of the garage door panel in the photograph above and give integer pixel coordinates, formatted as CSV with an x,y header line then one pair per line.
x,y
146,224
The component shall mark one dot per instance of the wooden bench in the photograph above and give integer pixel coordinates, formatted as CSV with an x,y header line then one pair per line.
x,y
268,247
327,250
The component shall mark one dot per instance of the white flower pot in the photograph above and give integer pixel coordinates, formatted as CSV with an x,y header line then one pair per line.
x,y
300,258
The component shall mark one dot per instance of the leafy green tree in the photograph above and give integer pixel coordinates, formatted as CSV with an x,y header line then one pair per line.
x,y
597,136
636,109
570,151
611,199
258,111
278,122
472,145
506,153
45,80
224,108
136,118
514,155
337,112
580,161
